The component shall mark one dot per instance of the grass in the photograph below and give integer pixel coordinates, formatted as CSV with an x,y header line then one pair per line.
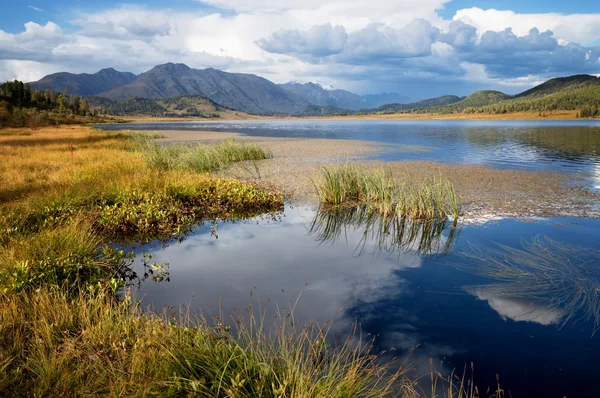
x,y
349,186
199,157
563,276
109,348
66,194
61,188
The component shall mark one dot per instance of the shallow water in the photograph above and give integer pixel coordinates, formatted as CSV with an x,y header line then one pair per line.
x,y
415,289
567,146
532,320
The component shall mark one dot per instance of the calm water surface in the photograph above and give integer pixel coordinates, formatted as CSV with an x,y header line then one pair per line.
x,y
529,316
566,146
420,289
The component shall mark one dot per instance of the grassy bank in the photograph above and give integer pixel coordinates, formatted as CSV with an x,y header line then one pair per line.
x,y
55,345
66,191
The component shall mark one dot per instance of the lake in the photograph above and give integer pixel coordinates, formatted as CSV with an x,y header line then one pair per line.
x,y
518,298
566,146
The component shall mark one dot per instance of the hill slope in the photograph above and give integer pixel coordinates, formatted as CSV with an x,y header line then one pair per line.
x,y
560,84
377,100
181,106
245,92
317,95
432,102
84,84
482,98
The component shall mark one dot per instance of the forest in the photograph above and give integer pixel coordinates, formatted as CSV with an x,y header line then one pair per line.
x,y
21,106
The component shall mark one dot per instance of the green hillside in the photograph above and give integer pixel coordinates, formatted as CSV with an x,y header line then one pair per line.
x,y
561,84
580,92
482,98
428,103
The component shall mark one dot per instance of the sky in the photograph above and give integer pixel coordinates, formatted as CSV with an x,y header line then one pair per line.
x,y
419,48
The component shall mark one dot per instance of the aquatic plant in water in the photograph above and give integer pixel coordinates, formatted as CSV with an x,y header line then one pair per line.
x,y
565,277
349,186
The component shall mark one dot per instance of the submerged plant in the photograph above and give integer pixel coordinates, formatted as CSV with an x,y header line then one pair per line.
x,y
563,276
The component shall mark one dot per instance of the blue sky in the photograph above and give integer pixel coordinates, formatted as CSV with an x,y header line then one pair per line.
x,y
424,48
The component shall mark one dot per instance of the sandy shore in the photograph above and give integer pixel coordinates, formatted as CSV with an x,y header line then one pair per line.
x,y
485,192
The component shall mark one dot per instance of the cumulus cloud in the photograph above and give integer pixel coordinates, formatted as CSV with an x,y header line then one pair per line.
x,y
318,41
372,44
421,47
350,43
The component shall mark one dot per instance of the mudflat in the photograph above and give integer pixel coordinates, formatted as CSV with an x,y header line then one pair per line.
x,y
485,192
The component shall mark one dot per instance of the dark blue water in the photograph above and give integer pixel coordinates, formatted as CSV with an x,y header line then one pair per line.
x,y
566,146
422,289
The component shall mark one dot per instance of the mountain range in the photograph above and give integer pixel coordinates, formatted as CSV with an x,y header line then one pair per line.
x,y
239,91
122,92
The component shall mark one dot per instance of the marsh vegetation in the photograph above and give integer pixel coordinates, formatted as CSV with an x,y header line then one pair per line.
x,y
349,186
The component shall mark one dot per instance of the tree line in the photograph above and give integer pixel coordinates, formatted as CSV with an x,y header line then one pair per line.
x,y
20,95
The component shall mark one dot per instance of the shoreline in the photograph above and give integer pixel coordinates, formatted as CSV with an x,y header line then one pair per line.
x,y
486,193
517,116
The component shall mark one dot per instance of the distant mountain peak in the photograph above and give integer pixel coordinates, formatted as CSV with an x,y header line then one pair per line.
x,y
327,87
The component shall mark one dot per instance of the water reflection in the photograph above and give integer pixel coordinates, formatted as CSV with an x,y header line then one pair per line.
x,y
384,233
517,309
565,146
544,281
506,316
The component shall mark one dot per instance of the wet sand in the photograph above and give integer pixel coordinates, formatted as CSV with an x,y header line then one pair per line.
x,y
485,192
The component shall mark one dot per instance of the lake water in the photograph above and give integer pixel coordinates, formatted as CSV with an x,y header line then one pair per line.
x,y
517,298
567,146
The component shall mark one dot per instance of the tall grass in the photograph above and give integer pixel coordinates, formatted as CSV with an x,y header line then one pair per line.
x,y
52,345
199,157
349,185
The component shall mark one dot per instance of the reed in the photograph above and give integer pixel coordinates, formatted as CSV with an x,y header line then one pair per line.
x,y
348,186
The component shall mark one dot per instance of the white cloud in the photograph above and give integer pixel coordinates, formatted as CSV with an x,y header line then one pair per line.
x,y
350,43
579,28
35,8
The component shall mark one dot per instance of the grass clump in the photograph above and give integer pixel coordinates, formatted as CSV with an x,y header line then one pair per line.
x,y
199,157
349,186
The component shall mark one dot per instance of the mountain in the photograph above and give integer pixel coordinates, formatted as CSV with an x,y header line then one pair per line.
x,y
316,94
377,100
84,84
180,106
574,93
244,92
327,110
432,102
